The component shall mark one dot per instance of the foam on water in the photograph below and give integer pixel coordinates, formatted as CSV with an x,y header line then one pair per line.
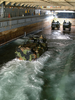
x,y
59,79
50,74
19,80
58,35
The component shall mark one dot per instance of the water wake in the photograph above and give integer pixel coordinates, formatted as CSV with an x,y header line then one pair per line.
x,y
59,75
19,80
51,77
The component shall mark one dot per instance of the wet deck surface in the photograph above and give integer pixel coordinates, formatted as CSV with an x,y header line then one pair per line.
x,y
51,77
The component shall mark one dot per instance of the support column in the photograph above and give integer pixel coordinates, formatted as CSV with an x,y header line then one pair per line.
x,y
2,10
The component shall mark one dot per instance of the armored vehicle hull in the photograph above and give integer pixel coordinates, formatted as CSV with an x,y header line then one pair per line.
x,y
33,49
66,25
55,25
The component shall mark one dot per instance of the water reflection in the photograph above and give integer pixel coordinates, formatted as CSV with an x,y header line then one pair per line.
x,y
59,35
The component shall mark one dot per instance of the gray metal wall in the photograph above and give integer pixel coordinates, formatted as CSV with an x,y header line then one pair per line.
x,y
14,12
15,22
18,11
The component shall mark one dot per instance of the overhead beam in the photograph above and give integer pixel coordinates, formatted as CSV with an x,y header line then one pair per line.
x,y
1,1
12,3
21,4
52,2
62,8
6,3
17,4
40,2
26,4
36,2
69,3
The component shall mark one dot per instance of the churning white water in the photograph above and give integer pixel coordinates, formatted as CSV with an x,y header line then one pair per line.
x,y
19,80
51,77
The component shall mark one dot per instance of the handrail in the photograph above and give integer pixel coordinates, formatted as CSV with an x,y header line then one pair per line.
x,y
21,17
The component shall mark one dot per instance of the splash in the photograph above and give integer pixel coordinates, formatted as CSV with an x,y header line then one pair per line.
x,y
58,77
58,35
19,80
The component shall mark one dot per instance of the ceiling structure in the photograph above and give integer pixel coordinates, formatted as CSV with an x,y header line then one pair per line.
x,y
43,4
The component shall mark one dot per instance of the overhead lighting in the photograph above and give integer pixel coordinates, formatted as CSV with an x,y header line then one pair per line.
x,y
65,11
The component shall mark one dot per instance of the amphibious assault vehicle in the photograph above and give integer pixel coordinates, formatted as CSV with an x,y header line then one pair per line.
x,y
32,49
67,25
55,25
